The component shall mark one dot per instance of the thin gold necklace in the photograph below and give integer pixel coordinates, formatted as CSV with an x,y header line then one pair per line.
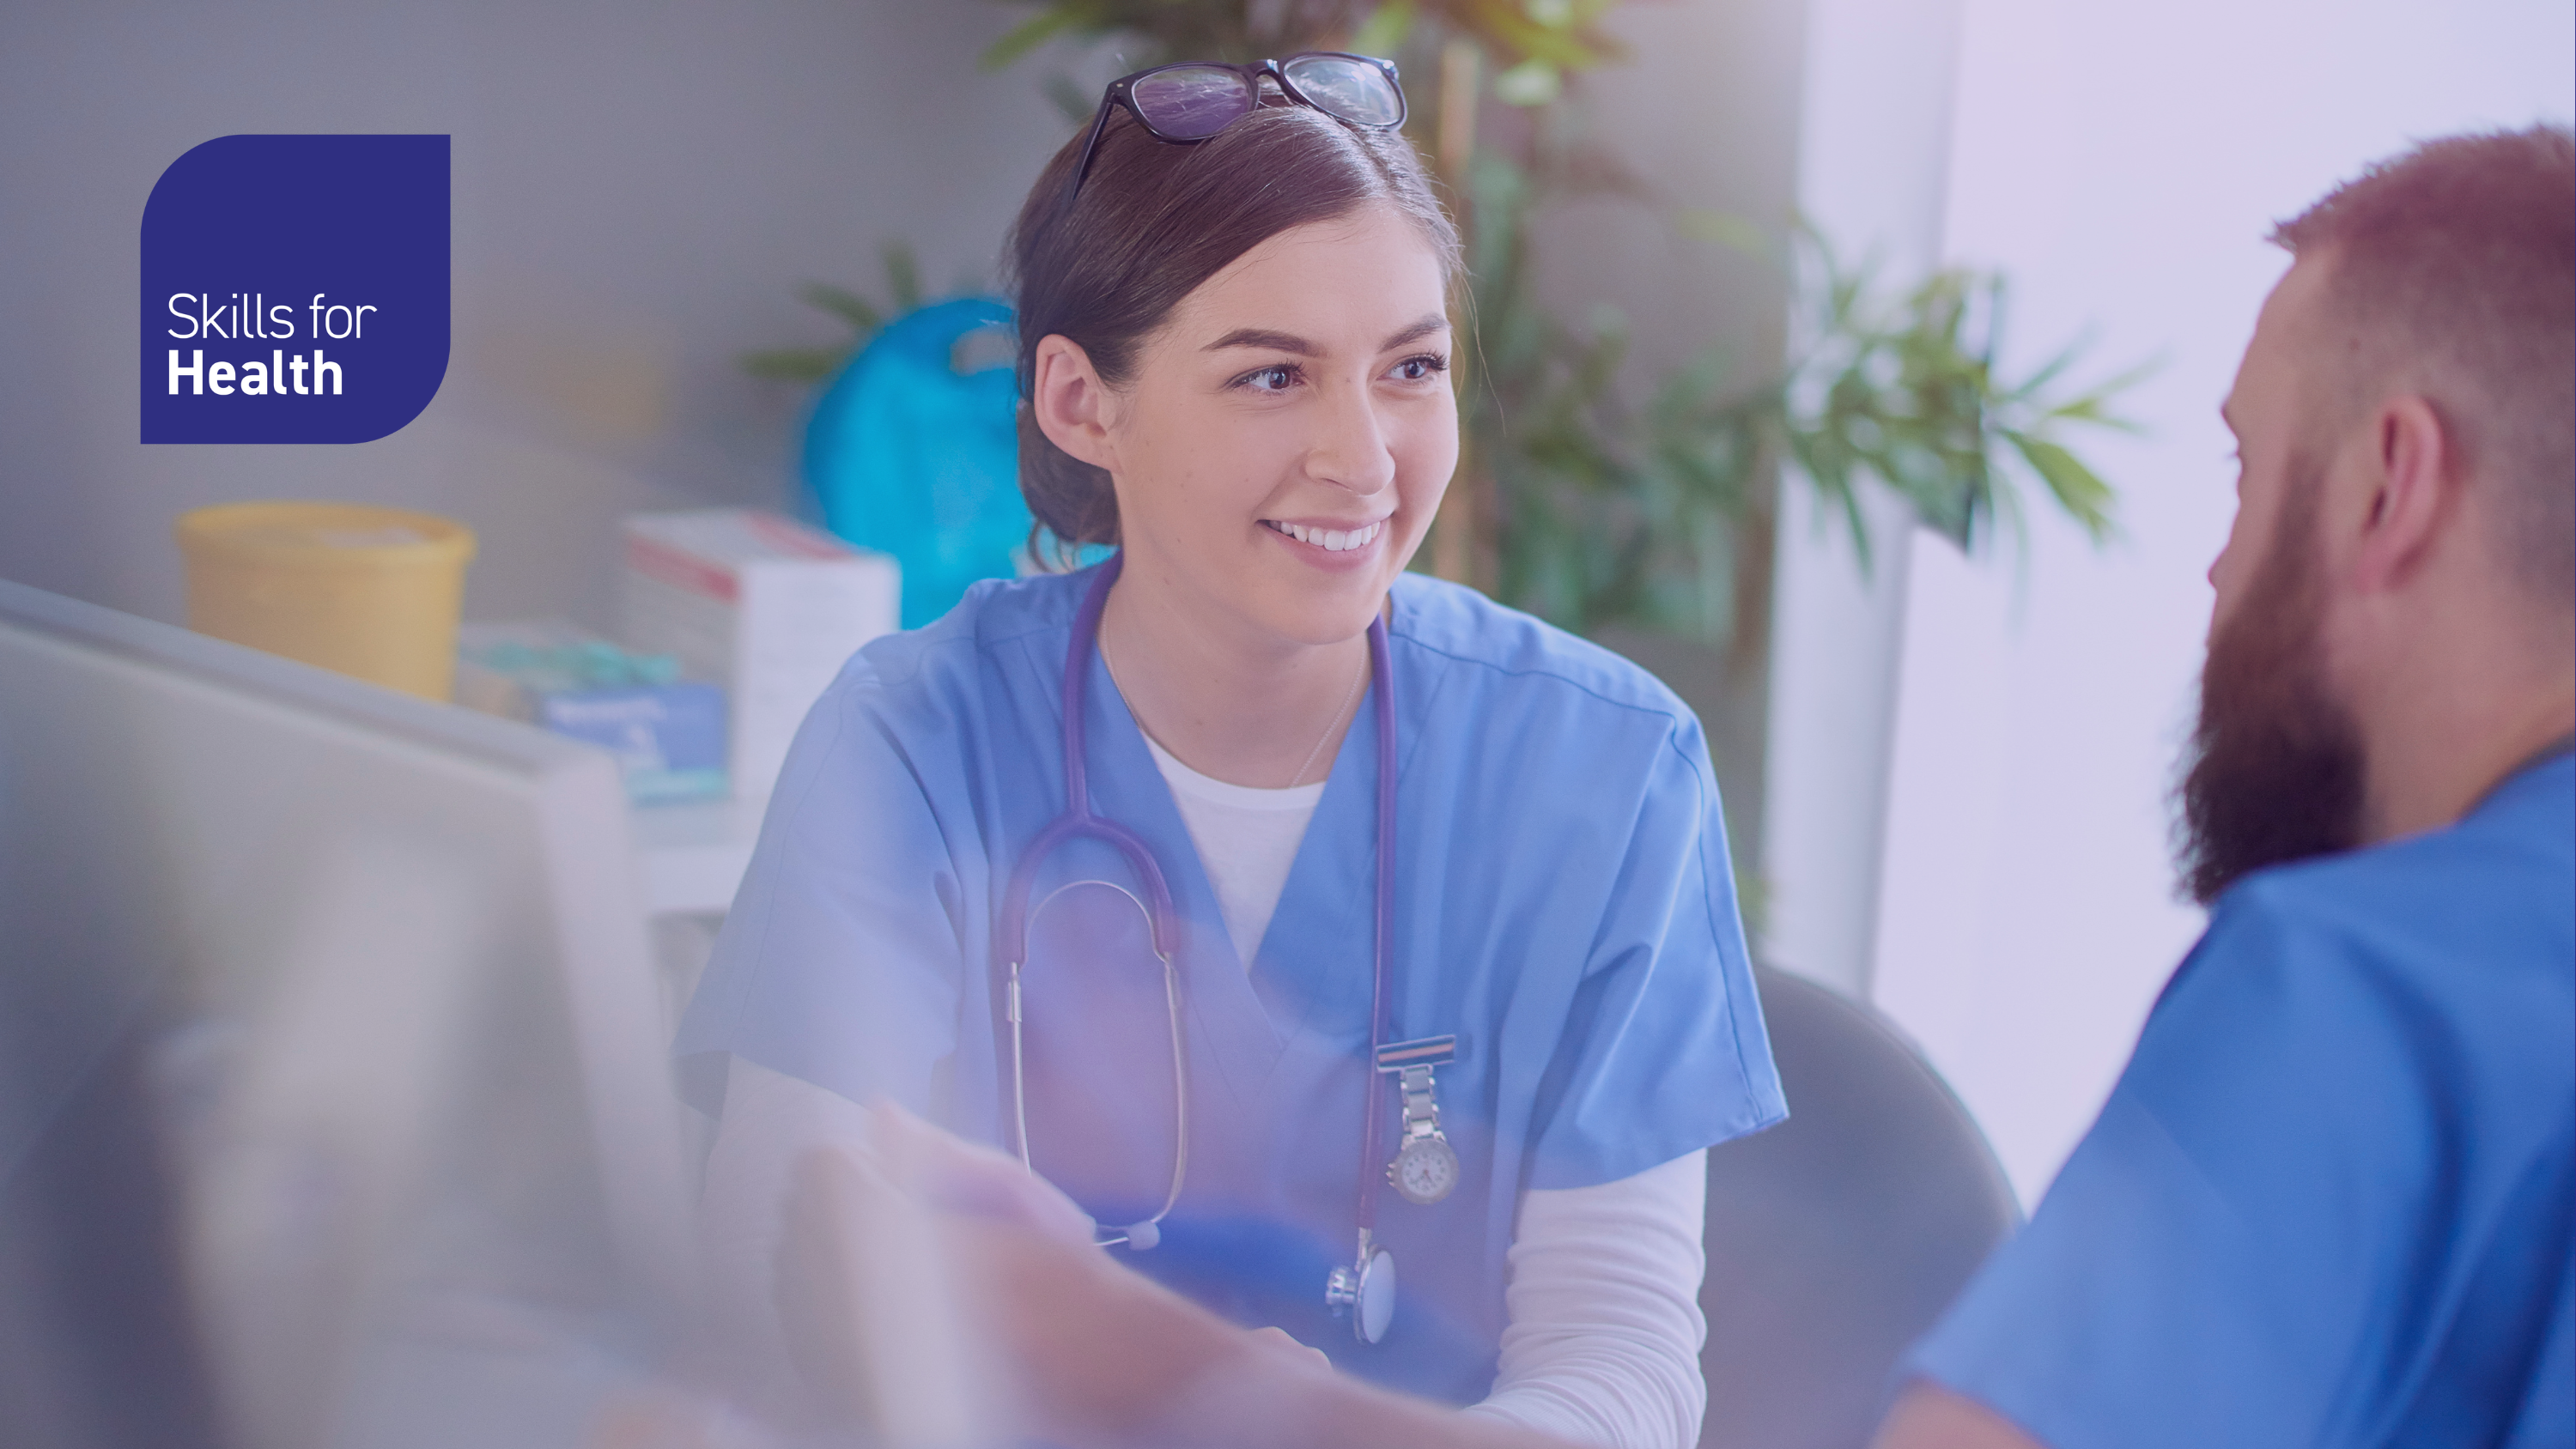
x,y
1329,725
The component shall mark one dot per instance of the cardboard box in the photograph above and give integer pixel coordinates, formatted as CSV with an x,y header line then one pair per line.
x,y
760,603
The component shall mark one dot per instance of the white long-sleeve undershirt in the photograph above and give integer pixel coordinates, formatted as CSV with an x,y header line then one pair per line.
x,y
1603,1328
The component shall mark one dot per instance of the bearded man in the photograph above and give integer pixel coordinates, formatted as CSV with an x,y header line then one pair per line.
x,y
2332,1199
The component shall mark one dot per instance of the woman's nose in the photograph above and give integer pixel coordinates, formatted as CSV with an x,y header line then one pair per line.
x,y
1350,448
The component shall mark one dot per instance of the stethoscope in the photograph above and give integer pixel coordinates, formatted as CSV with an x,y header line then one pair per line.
x,y
1425,1169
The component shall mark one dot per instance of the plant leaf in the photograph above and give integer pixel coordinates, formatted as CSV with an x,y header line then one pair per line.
x,y
796,364
2077,488
1033,32
1384,31
1533,82
1701,223
1070,101
841,302
903,276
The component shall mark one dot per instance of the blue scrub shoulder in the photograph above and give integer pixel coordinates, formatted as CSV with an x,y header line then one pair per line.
x,y
2329,1200
934,690
1458,622
2460,935
2511,850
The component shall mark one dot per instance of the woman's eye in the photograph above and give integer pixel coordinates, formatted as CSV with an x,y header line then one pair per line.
x,y
1269,379
1417,369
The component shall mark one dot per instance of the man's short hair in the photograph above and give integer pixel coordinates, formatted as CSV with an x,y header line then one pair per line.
x,y
2454,264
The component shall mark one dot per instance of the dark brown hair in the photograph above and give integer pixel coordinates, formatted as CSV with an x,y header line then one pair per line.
x,y
2452,268
1153,221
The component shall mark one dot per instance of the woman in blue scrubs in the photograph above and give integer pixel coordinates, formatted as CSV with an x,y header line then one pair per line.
x,y
1235,341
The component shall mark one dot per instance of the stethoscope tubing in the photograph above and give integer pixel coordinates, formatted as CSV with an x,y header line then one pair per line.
x,y
1078,822
1382,692
1180,1084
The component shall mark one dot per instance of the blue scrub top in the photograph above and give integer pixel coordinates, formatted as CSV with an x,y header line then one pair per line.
x,y
1564,905
2332,1199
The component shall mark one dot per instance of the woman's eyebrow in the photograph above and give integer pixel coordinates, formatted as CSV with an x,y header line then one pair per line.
x,y
1432,322
1294,345
1266,340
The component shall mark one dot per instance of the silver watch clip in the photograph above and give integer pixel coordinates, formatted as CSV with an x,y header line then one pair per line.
x,y
1410,1063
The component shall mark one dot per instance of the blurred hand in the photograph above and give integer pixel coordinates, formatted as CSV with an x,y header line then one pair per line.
x,y
1100,1354
924,1269
935,1292
969,1179
1279,1340
870,1314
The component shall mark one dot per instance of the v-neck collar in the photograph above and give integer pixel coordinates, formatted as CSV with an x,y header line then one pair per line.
x,y
1313,968
1222,1010
1311,976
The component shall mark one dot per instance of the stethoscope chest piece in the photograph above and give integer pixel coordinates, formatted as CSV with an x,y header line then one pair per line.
x,y
1365,1291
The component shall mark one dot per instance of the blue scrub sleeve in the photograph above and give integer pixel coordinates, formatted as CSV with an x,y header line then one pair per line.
x,y
1663,1052
2262,1240
841,960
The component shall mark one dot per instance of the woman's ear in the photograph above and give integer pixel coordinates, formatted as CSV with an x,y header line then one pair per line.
x,y
1072,405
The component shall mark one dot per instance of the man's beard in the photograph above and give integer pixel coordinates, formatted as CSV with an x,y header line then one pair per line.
x,y
2274,772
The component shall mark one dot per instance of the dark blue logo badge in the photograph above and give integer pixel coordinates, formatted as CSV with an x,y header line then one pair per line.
x,y
294,289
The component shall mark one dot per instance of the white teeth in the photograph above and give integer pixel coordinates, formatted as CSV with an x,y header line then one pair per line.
x,y
1331,540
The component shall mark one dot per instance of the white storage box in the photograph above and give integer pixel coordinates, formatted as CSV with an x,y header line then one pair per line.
x,y
762,604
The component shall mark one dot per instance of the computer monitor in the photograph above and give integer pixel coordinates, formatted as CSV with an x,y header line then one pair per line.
x,y
371,979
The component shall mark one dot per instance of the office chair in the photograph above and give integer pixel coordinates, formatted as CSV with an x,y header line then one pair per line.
x,y
1836,1238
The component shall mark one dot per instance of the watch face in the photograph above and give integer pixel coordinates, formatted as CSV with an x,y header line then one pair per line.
x,y
1425,1171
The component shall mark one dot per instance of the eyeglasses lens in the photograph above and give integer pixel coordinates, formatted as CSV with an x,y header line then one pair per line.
x,y
1353,90
1191,102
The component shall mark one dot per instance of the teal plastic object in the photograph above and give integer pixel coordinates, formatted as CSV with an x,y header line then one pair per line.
x,y
909,456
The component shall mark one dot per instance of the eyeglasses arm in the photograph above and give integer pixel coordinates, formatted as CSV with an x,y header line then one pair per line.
x,y
1090,147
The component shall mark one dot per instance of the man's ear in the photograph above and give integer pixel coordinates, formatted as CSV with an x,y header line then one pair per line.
x,y
1072,405
2415,490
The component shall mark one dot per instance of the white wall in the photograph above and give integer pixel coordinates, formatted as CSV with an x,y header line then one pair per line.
x,y
2122,163
1873,161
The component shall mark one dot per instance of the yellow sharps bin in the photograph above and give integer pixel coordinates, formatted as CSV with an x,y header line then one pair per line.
x,y
367,591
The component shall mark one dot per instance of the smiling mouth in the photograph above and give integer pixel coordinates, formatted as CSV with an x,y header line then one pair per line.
x,y
1330,540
